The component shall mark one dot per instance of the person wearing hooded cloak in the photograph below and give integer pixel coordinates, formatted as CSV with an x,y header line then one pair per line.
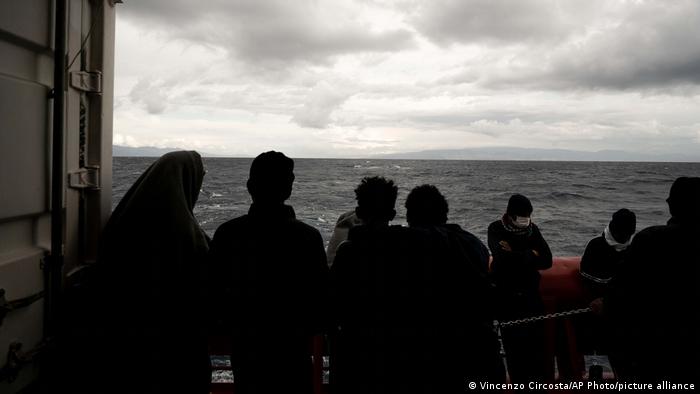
x,y
269,274
653,300
519,251
150,335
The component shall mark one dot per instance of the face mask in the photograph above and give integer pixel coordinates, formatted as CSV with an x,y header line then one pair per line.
x,y
613,242
522,221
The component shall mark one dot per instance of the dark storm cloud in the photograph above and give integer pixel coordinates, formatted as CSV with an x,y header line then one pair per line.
x,y
654,46
274,33
555,45
498,22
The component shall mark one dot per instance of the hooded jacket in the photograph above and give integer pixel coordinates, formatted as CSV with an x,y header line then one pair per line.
x,y
150,285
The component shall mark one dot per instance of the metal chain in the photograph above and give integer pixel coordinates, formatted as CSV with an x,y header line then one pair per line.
x,y
543,317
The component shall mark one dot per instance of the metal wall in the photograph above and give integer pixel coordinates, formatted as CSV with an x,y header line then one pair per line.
x,y
26,79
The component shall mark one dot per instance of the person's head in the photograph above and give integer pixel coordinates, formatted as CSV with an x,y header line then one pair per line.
x,y
187,167
376,198
623,225
271,178
426,206
684,199
519,210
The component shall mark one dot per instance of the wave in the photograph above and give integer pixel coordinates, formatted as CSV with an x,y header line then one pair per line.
x,y
568,196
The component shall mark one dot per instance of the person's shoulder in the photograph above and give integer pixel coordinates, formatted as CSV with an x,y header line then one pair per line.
x,y
596,243
647,236
536,232
651,232
344,248
462,233
348,219
595,248
495,226
399,229
453,227
457,229
232,225
300,227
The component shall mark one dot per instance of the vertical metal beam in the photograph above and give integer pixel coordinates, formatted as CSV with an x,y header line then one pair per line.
x,y
54,264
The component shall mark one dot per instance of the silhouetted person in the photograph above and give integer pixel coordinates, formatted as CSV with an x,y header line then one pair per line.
x,y
147,334
390,327
519,252
599,264
653,300
471,348
270,273
604,253
345,222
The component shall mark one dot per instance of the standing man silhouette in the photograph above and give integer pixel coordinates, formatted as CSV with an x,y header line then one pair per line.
x,y
653,300
268,272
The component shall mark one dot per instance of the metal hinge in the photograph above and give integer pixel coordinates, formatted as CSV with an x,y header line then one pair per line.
x,y
9,306
87,81
17,359
85,178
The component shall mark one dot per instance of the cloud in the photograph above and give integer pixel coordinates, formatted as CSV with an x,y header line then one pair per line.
x,y
655,45
648,45
355,77
271,33
153,95
124,140
322,100
500,22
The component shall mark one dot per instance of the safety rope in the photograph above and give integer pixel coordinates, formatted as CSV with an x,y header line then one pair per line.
x,y
543,317
498,325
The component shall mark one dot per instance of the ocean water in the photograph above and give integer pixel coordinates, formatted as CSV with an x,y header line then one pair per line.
x,y
573,201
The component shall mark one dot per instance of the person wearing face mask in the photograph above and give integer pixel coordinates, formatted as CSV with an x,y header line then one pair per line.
x,y
652,302
604,253
599,264
519,251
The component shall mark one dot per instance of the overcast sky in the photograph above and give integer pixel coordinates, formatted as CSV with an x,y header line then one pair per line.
x,y
327,78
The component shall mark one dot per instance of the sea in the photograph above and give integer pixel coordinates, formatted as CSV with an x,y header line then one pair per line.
x,y
573,201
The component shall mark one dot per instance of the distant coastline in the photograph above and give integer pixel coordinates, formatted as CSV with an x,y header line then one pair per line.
x,y
530,154
486,154
147,151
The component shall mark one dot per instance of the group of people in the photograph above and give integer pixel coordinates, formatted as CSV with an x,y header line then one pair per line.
x,y
407,309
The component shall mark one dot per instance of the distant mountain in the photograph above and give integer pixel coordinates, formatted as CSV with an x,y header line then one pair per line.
x,y
511,153
146,151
